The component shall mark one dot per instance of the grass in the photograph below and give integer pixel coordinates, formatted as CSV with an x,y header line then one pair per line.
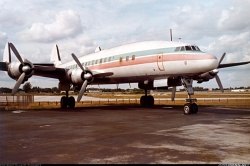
x,y
227,99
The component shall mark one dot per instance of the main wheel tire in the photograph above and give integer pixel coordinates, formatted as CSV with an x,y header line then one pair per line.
x,y
187,109
64,102
194,108
150,101
143,101
71,102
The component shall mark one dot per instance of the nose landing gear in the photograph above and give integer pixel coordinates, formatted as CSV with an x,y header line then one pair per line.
x,y
190,107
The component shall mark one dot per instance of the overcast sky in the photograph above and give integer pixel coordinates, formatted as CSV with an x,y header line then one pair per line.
x,y
79,26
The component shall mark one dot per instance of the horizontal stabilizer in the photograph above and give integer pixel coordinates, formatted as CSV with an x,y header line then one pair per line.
x,y
232,64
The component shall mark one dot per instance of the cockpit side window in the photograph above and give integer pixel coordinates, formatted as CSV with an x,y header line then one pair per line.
x,y
182,48
197,48
177,49
188,48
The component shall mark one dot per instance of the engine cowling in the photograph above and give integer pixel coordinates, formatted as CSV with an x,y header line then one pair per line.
x,y
77,76
207,76
15,69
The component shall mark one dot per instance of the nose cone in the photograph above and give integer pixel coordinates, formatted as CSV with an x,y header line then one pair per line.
x,y
206,63
212,61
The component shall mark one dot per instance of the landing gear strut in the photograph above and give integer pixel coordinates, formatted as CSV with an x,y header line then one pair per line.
x,y
147,101
190,107
67,101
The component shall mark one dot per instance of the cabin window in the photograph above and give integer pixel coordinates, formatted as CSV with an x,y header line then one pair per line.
x,y
100,61
109,59
96,61
93,62
127,58
133,57
120,58
182,48
177,49
104,60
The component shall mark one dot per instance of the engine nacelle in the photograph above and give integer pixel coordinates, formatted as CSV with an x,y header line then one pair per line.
x,y
207,76
77,76
15,69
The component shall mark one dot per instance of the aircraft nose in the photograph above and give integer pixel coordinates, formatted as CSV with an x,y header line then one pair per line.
x,y
214,61
211,62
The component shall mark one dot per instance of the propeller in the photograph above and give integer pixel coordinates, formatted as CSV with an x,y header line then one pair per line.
x,y
87,76
217,77
26,68
13,48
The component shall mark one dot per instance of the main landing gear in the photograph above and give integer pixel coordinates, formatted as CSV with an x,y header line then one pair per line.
x,y
67,101
147,101
190,107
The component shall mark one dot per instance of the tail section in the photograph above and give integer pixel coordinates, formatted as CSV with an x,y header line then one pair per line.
x,y
7,53
55,56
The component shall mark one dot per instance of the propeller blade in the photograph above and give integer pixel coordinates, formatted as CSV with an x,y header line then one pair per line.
x,y
173,93
83,88
16,53
222,57
18,83
219,83
78,62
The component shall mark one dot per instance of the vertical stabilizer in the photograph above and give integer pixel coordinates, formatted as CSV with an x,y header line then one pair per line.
x,y
55,56
7,54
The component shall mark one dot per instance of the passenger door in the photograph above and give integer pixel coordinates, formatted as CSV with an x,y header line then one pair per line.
x,y
160,62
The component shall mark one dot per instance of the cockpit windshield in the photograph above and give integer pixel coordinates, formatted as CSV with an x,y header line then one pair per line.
x,y
188,48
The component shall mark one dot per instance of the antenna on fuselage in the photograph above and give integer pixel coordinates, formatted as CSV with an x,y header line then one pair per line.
x,y
171,38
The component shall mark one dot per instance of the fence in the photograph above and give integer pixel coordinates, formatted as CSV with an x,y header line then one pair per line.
x,y
27,102
17,101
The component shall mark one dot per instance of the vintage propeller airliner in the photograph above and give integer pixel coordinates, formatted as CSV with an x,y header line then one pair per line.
x,y
142,62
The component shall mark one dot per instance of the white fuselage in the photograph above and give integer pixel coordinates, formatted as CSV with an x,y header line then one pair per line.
x,y
147,61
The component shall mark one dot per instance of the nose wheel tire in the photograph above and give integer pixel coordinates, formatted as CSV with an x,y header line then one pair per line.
x,y
190,108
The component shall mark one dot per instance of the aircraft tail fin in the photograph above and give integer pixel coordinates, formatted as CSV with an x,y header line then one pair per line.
x,y
7,53
55,56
